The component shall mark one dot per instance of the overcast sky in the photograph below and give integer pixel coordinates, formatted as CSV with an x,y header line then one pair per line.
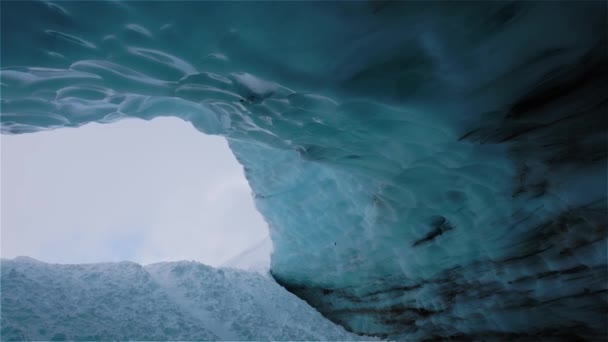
x,y
132,190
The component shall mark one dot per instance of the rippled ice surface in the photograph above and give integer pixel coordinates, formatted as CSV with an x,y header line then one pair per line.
x,y
427,169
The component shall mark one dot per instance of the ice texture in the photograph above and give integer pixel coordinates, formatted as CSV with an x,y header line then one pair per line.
x,y
427,169
166,301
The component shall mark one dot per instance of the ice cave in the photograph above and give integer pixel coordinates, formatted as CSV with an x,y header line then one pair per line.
x,y
428,170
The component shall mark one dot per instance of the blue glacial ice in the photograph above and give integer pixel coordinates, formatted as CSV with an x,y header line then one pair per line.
x,y
427,170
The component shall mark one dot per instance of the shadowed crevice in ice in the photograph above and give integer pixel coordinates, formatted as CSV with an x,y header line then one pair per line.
x,y
439,226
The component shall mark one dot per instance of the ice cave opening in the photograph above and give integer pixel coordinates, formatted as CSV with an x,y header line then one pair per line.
x,y
143,191
428,170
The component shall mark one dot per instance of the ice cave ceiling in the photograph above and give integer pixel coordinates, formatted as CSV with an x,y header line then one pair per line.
x,y
427,169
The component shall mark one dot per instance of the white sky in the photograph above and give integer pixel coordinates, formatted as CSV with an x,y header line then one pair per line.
x,y
132,190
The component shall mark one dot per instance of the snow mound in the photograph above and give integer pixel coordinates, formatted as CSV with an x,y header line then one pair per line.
x,y
165,301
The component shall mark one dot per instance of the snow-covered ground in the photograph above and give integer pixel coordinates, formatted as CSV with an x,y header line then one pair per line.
x,y
164,301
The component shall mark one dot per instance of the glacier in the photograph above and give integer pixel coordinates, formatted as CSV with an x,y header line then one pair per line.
x,y
123,301
427,170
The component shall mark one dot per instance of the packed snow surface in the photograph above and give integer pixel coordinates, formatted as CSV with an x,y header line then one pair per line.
x,y
165,301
